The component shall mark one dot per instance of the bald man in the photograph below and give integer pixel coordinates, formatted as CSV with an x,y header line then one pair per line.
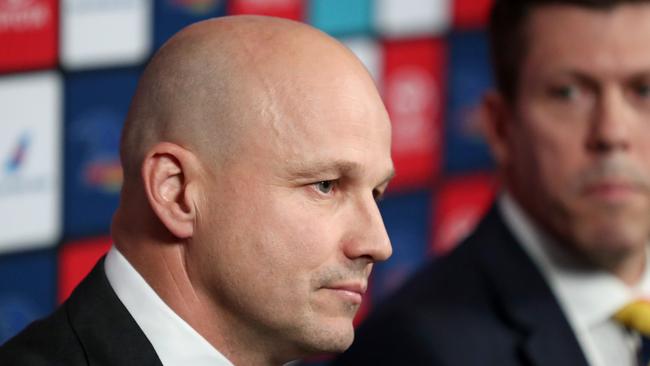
x,y
254,152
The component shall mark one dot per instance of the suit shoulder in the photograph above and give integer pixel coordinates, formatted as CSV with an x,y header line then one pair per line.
x,y
452,278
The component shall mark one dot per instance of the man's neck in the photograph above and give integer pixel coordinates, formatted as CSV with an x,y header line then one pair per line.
x,y
165,273
630,268
627,263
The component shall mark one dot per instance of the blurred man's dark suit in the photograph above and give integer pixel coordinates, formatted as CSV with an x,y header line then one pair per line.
x,y
91,328
485,304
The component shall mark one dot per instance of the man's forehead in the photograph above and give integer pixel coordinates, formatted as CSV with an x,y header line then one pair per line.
x,y
576,40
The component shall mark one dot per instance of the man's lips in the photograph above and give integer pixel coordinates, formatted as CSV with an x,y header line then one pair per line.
x,y
352,291
611,191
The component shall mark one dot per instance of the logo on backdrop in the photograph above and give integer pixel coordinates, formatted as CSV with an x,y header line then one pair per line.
x,y
17,156
23,15
98,133
412,91
14,179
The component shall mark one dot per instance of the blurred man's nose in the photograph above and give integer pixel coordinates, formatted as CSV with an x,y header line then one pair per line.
x,y
611,123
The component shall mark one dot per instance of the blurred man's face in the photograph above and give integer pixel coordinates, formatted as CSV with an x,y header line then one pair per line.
x,y
578,143
291,226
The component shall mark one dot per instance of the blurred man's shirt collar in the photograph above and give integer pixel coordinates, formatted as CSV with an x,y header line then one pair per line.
x,y
175,342
589,297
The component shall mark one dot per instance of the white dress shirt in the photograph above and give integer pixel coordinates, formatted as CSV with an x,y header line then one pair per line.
x,y
175,341
588,297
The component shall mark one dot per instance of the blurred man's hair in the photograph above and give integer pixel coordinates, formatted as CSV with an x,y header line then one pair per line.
x,y
507,31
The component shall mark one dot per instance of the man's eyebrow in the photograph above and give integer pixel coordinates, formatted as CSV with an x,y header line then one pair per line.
x,y
591,81
316,169
639,76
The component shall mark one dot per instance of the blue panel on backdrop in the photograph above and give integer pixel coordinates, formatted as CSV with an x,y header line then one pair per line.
x,y
407,219
469,77
172,15
96,104
341,17
27,289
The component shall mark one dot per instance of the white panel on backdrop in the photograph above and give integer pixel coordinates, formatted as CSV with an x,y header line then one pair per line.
x,y
369,52
30,160
408,18
97,33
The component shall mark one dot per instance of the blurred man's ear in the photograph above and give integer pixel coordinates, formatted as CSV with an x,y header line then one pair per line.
x,y
495,120
168,181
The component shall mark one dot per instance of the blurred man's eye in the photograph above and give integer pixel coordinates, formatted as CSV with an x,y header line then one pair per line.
x,y
563,92
642,89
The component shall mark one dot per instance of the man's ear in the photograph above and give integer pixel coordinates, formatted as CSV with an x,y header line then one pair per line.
x,y
168,173
496,124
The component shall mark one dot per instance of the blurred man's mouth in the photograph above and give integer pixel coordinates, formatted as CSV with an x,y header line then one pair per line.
x,y
612,191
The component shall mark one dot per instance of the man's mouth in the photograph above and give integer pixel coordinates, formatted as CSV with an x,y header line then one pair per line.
x,y
349,291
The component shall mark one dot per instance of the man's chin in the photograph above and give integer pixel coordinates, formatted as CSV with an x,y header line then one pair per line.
x,y
335,337
609,244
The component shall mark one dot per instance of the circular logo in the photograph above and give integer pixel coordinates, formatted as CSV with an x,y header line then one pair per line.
x,y
412,102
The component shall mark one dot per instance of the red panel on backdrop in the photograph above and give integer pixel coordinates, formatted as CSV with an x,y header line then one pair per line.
x,y
76,259
471,13
413,93
291,9
28,34
461,203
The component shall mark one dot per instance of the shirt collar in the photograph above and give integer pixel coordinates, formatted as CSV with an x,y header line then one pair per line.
x,y
589,296
175,341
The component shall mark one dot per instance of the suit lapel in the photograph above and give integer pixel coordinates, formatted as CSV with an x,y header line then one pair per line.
x,y
526,300
104,327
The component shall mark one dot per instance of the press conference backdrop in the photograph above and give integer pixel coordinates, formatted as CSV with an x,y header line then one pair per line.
x,y
68,70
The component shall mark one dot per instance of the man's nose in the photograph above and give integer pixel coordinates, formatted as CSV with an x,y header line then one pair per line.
x,y
369,238
611,123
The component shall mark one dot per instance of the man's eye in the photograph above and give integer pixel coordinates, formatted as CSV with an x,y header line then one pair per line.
x,y
325,186
642,90
564,92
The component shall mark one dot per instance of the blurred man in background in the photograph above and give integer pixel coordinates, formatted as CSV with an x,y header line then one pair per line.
x,y
553,274
254,152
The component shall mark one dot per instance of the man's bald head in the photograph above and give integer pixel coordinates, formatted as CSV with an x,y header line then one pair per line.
x,y
218,78
254,151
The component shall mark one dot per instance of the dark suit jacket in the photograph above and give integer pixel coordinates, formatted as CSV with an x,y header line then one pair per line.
x,y
91,328
484,304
